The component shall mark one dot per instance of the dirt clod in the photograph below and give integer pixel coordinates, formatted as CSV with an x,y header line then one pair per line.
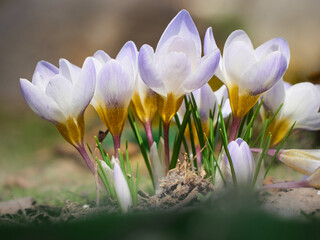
x,y
181,187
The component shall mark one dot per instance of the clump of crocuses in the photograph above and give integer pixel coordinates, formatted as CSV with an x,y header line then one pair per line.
x,y
172,80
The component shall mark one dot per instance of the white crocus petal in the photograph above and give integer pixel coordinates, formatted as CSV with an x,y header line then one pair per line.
x,y
175,68
310,123
128,57
222,94
302,104
273,98
42,74
68,70
206,100
210,46
129,50
222,97
148,71
101,56
84,88
108,171
238,36
242,160
264,74
204,71
318,88
226,109
181,25
58,89
122,188
115,85
238,58
40,103
305,161
276,44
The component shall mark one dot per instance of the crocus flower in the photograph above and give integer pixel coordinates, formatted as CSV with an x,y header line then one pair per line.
x,y
61,95
249,72
145,104
305,161
242,160
176,67
301,103
114,88
122,188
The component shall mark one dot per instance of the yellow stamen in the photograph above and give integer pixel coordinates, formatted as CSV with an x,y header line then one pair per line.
x,y
168,106
146,109
72,130
241,103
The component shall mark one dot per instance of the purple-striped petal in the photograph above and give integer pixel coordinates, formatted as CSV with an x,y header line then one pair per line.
x,y
174,69
60,90
69,70
274,97
42,74
182,25
114,85
148,71
238,58
84,87
302,103
40,103
242,159
264,74
122,188
203,73
237,36
129,50
101,56
209,44
276,44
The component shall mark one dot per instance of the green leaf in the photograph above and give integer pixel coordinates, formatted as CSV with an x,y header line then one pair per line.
x,y
184,141
224,137
246,133
140,143
279,148
216,162
177,144
269,122
262,156
103,154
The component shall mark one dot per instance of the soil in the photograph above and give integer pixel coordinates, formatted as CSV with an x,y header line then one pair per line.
x,y
181,189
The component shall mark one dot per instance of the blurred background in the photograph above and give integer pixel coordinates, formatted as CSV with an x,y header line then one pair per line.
x,y
35,160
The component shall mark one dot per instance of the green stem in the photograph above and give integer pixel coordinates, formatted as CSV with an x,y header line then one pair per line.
x,y
148,128
116,143
234,128
166,145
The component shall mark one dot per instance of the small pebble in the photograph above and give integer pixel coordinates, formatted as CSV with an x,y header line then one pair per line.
x,y
86,206
318,193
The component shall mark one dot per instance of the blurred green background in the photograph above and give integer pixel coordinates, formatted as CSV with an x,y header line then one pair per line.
x,y
35,160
